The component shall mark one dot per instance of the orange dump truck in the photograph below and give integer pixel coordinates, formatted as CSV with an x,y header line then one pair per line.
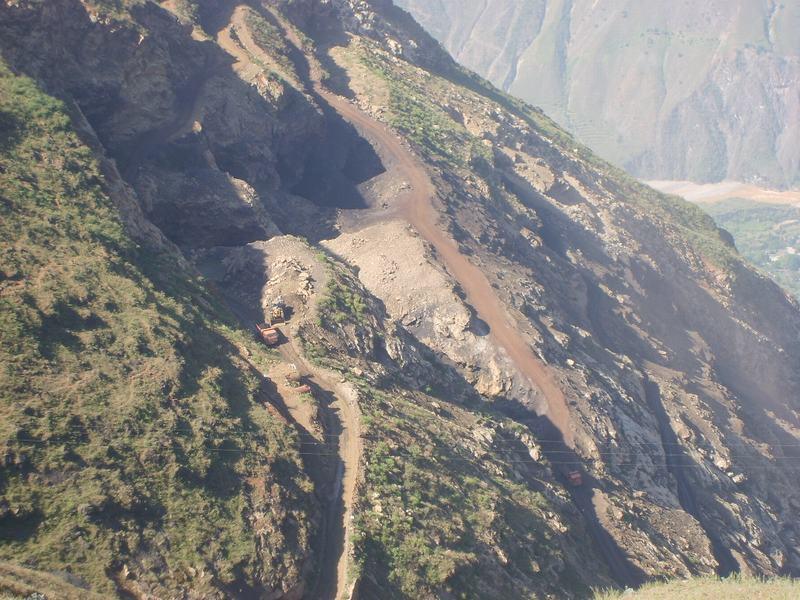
x,y
270,335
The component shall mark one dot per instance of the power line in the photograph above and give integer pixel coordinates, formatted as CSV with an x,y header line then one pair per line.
x,y
577,462
332,438
329,438
753,445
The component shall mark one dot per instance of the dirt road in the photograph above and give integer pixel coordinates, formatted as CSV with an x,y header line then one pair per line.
x,y
337,402
416,206
342,426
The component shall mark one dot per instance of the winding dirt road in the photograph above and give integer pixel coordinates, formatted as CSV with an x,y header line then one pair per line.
x,y
415,205
337,402
342,425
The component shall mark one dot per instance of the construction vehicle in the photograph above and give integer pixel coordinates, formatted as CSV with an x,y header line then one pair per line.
x,y
575,478
271,336
277,312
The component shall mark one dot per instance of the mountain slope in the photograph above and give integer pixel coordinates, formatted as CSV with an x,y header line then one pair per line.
x,y
129,408
179,560
506,226
498,305
658,88
734,588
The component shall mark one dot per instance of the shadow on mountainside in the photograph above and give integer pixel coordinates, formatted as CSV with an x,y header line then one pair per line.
x,y
564,460
162,154
344,159
678,462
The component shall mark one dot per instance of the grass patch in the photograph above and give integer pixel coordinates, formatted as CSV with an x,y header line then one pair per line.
x,y
187,11
737,587
17,583
340,304
414,112
114,10
271,40
436,519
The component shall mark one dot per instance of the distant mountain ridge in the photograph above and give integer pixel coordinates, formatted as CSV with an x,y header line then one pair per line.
x,y
700,91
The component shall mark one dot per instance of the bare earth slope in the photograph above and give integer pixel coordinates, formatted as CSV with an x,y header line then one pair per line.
x,y
588,273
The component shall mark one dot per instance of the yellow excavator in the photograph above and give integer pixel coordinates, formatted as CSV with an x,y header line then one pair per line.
x,y
277,312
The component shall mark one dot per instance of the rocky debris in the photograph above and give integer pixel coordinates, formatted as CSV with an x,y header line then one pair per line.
x,y
288,278
381,21
606,282
396,266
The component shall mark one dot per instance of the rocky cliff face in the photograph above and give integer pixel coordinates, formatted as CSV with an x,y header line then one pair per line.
x,y
664,368
639,305
696,92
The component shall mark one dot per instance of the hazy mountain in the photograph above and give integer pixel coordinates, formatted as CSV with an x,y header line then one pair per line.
x,y
702,91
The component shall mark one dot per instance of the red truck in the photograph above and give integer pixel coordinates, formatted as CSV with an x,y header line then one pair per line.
x,y
575,478
271,336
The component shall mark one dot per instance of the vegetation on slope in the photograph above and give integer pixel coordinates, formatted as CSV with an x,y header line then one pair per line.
x,y
340,304
186,10
768,235
131,429
692,223
414,112
18,583
270,39
415,108
113,10
444,513
731,588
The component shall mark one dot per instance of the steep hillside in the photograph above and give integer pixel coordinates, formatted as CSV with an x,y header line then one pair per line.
x,y
509,370
639,307
659,88
17,583
135,439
